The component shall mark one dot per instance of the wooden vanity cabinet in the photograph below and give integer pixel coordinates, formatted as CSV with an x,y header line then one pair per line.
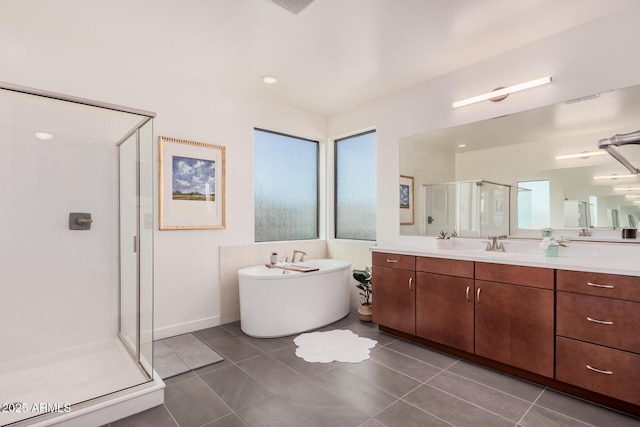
x,y
393,284
445,302
514,316
597,343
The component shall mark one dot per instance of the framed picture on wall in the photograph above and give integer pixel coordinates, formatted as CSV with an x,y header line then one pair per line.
x,y
406,200
191,185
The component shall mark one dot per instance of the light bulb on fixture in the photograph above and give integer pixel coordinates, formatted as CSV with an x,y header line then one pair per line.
x,y
583,155
502,93
616,176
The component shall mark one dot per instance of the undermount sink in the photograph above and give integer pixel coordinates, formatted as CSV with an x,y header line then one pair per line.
x,y
495,254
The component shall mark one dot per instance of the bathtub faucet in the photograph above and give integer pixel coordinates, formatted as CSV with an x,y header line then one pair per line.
x,y
293,258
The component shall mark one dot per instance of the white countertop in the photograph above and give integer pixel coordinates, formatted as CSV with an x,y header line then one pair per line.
x,y
591,258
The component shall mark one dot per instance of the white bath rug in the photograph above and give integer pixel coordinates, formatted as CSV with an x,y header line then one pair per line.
x,y
339,345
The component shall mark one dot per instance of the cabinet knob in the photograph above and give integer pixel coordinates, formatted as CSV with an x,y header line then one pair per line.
x,y
599,370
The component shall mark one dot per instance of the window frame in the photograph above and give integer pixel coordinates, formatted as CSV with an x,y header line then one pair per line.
x,y
335,185
318,199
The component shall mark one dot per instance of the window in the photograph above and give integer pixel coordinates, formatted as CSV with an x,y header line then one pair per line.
x,y
533,205
355,200
286,187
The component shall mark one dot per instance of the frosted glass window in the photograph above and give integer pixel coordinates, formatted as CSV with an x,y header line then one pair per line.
x,y
286,187
533,205
356,187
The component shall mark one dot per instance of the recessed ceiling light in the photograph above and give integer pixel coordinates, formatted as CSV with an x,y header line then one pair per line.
x,y
44,136
462,145
268,79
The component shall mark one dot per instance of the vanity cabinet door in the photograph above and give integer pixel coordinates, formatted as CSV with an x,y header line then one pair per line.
x,y
394,302
444,310
515,325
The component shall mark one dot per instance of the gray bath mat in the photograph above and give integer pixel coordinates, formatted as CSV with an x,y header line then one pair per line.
x,y
176,355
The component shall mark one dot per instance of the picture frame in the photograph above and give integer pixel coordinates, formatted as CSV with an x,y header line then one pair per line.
x,y
406,200
192,185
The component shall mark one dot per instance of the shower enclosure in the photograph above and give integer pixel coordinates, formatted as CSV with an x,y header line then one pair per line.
x,y
76,250
470,208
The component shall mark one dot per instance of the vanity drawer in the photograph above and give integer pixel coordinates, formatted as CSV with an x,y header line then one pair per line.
x,y
402,262
599,284
515,274
601,369
605,321
449,267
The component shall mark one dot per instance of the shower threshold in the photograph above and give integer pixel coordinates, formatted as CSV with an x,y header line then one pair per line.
x,y
91,385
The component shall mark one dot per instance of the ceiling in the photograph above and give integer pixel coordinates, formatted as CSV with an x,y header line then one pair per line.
x,y
333,55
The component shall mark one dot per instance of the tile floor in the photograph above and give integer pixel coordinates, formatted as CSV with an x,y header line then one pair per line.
x,y
262,383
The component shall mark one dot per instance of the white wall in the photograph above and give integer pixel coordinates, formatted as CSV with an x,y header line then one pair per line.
x,y
48,55
588,59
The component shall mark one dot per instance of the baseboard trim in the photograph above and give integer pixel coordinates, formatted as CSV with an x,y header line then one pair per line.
x,y
185,328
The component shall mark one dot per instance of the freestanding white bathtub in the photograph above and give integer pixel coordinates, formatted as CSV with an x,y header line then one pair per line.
x,y
276,302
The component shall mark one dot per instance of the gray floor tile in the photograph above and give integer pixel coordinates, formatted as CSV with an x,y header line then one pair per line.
x,y
370,332
192,403
585,411
166,362
401,414
266,344
453,410
179,377
351,389
541,417
287,356
273,412
320,407
193,352
433,357
409,366
235,387
501,381
234,348
488,398
372,423
270,373
210,368
209,334
231,420
380,376
234,328
154,417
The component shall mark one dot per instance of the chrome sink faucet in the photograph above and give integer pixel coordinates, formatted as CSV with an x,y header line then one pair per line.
x,y
293,258
493,244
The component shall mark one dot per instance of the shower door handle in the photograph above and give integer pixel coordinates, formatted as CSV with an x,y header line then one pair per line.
x,y
135,243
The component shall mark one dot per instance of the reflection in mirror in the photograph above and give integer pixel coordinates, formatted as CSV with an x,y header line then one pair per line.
x,y
556,144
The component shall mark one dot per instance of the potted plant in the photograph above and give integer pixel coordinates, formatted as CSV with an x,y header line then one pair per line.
x,y
551,245
443,240
363,277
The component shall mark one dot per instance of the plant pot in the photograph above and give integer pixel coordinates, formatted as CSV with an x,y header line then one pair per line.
x,y
444,243
551,251
365,313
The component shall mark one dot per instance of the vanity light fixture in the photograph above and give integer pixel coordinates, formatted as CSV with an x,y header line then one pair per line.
x,y
583,155
502,93
269,79
45,136
626,188
616,176
462,145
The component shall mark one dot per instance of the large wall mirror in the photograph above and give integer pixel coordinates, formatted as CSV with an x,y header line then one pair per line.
x,y
580,197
